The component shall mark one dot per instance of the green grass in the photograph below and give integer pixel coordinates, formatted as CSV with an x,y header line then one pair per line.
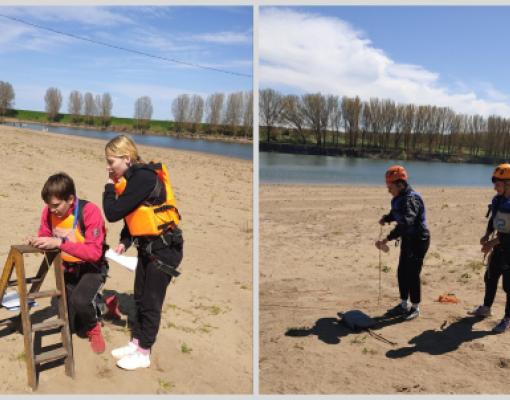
x,y
165,385
123,124
369,351
476,265
206,328
185,329
359,339
186,349
213,309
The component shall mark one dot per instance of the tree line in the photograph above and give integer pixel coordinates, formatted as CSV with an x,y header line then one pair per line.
x,y
219,113
330,121
232,113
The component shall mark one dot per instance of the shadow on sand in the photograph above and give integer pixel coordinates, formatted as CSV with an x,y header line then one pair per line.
x,y
330,330
437,342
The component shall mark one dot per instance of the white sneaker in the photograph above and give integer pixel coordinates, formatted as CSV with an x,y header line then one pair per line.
x,y
134,360
124,351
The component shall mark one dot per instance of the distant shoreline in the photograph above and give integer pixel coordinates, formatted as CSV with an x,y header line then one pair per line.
x,y
122,129
288,148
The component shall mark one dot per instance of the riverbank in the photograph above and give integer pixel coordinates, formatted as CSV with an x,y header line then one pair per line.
x,y
205,341
375,154
317,258
128,130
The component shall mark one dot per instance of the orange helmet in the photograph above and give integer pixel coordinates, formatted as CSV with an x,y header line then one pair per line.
x,y
396,173
501,173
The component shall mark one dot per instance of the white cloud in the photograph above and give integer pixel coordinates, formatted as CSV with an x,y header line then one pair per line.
x,y
96,16
495,94
224,37
155,92
15,37
311,53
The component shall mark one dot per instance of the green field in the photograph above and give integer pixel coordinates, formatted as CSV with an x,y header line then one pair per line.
x,y
126,124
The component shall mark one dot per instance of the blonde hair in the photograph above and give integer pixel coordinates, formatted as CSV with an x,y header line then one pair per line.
x,y
121,146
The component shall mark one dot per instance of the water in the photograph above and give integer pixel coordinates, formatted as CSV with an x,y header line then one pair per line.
x,y
235,150
309,169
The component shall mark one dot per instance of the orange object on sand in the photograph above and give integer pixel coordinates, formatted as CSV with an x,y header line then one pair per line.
x,y
448,298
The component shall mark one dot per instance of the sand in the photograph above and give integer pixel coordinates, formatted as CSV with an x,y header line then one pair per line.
x,y
317,258
205,341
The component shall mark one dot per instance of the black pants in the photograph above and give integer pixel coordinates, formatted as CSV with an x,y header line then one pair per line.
x,y
150,290
412,253
82,288
499,265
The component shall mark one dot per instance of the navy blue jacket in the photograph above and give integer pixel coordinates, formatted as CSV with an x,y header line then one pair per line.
x,y
408,211
502,204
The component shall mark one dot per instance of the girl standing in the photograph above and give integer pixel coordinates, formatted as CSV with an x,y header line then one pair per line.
x,y
141,194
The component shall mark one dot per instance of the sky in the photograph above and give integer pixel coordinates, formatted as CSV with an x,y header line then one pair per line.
x,y
446,56
32,59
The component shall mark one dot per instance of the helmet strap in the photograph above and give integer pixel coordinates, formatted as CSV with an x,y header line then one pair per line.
x,y
506,188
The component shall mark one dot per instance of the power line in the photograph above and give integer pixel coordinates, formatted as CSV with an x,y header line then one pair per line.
x,y
125,48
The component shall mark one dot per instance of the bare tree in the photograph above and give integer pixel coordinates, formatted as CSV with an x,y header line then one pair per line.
x,y
234,111
479,125
248,113
143,113
365,123
196,112
214,109
180,111
332,103
293,115
97,106
89,108
53,101
106,109
335,118
351,111
6,97
316,112
271,105
75,105
389,114
376,121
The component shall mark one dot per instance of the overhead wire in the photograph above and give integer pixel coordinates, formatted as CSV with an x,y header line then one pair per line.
x,y
113,46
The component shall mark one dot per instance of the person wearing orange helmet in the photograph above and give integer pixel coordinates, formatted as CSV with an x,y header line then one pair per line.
x,y
408,211
499,247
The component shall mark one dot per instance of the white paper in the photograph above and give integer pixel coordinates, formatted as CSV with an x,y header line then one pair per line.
x,y
11,301
125,261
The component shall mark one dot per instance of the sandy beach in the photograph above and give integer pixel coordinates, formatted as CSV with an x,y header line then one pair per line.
x,y
204,344
317,258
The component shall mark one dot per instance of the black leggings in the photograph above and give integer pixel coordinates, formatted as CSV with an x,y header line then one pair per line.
x,y
412,253
150,290
499,265
82,288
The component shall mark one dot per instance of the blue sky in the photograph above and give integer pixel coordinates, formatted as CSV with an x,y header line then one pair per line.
x,y
33,60
453,56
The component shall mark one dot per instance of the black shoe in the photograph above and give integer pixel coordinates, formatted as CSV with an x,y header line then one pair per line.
x,y
396,311
412,314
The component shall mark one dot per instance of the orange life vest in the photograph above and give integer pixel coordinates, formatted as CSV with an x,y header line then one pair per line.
x,y
152,220
70,228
